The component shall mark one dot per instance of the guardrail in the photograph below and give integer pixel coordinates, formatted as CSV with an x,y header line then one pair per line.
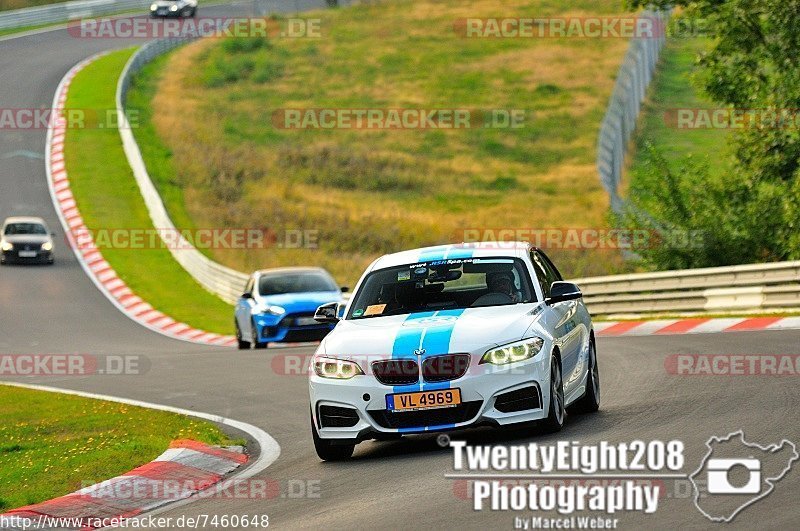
x,y
64,12
630,89
743,288
223,281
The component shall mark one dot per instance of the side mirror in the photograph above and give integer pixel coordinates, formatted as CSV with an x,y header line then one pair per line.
x,y
344,289
563,291
327,313
247,295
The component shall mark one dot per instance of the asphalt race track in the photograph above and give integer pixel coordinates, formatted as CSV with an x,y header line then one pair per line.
x,y
390,485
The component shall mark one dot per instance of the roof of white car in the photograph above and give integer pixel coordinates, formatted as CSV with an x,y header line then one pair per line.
x,y
24,219
454,251
289,270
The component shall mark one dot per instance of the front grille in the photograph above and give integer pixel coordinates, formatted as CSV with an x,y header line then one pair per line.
x,y
291,320
426,417
519,400
337,417
445,368
396,372
27,246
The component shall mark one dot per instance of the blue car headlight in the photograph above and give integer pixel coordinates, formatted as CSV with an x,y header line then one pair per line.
x,y
514,352
272,310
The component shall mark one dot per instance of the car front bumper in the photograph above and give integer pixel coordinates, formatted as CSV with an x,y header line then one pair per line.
x,y
285,328
483,388
166,14
39,256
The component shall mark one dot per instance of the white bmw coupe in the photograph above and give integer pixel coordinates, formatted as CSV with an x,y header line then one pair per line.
x,y
451,337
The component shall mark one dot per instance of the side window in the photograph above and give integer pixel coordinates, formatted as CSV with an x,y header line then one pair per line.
x,y
550,267
541,274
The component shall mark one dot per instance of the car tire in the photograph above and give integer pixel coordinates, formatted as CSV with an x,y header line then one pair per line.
x,y
327,451
590,401
556,411
241,344
254,337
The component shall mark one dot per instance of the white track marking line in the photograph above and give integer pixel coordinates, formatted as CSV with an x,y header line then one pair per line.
x,y
269,448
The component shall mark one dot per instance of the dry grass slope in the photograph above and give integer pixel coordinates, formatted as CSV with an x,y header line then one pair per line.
x,y
370,192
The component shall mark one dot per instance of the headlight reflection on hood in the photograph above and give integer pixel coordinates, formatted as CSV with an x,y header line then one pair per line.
x,y
336,369
514,352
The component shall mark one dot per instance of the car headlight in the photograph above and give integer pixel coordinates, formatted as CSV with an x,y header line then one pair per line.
x,y
7,246
173,8
336,368
514,352
153,7
274,310
47,246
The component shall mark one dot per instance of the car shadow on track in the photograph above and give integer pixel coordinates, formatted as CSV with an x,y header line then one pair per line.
x,y
411,446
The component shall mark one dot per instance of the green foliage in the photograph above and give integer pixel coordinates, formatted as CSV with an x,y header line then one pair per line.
x,y
704,220
751,213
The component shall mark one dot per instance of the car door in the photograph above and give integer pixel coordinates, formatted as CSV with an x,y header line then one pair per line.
x,y
243,309
566,327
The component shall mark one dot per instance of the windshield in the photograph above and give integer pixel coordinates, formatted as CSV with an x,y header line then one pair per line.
x,y
443,285
24,228
280,283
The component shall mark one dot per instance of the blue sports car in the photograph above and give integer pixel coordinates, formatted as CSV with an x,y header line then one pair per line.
x,y
278,305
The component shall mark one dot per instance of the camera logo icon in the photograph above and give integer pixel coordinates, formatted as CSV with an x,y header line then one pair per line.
x,y
719,471
736,474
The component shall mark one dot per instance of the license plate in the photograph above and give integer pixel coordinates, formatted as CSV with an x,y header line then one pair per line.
x,y
27,254
423,400
306,321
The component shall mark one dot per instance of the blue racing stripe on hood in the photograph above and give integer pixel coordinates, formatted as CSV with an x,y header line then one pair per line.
x,y
434,338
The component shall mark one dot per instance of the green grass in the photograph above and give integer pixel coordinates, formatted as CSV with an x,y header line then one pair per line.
x,y
108,197
225,164
673,89
158,158
53,444
7,5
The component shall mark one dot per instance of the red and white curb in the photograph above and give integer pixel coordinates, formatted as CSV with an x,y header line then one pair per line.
x,y
205,462
695,326
186,469
87,253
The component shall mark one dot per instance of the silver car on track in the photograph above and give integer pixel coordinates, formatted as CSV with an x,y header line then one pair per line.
x,y
26,239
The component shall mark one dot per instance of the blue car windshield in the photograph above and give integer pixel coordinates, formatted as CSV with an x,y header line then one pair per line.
x,y
443,285
281,283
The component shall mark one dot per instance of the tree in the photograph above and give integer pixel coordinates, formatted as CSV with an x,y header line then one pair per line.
x,y
753,65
